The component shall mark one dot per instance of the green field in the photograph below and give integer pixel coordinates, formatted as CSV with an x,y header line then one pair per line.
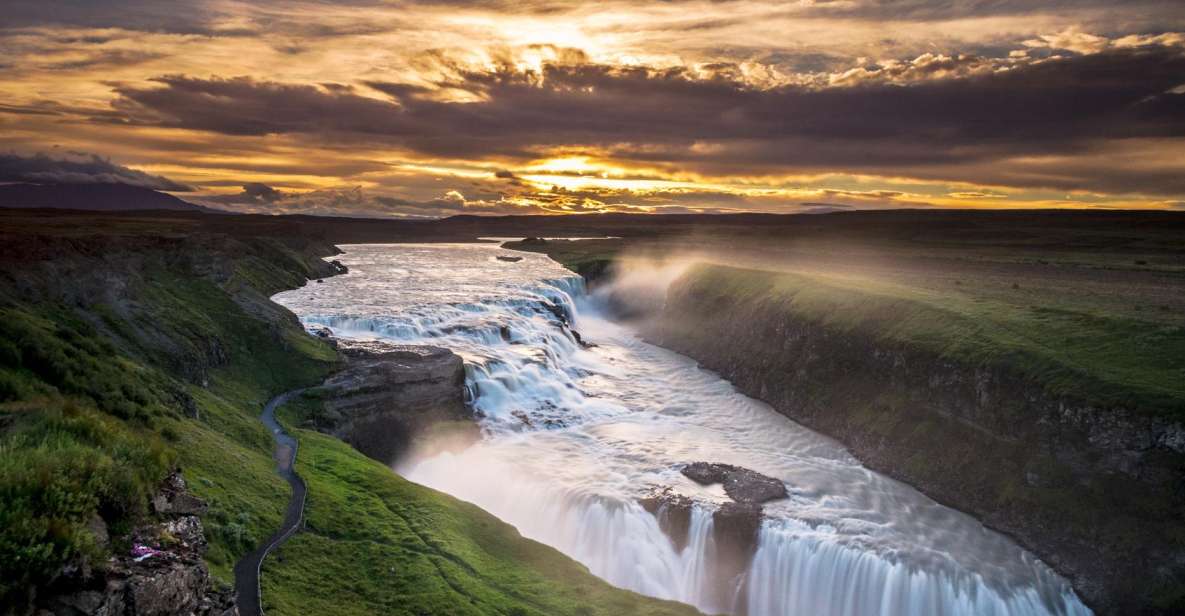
x,y
1092,355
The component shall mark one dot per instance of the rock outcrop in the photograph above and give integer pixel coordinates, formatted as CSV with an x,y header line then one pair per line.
x,y
673,512
735,525
388,395
162,573
740,484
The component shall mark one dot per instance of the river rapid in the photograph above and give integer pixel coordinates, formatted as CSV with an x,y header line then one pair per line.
x,y
573,437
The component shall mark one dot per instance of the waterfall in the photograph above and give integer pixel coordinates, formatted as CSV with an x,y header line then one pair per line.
x,y
575,436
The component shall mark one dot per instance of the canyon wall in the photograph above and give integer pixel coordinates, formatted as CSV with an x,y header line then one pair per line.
x,y
1095,491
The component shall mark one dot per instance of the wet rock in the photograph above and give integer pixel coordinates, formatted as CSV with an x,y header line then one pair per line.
x,y
389,395
338,267
509,259
523,417
735,527
580,340
673,512
740,484
557,311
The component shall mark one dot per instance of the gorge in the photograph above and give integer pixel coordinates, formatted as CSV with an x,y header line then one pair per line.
x,y
583,423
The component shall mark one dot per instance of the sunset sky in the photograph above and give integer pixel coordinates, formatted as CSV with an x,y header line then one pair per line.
x,y
529,106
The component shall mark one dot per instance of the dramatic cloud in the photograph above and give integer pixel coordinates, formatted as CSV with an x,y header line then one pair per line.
x,y
645,114
491,106
78,168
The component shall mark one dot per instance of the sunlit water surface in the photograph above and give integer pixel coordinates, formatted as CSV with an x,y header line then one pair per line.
x,y
574,436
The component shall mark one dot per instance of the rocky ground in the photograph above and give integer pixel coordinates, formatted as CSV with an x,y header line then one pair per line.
x,y
159,572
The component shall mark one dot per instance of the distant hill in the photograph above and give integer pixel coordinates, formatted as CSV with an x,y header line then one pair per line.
x,y
94,197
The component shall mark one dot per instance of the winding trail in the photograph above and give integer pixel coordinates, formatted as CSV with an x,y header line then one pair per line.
x,y
247,592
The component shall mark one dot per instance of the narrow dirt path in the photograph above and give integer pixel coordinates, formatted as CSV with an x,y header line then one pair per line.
x,y
247,593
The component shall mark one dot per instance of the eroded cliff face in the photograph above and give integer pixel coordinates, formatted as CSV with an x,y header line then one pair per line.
x,y
1098,493
388,396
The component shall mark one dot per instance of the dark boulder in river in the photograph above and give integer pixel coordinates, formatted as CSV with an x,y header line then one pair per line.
x,y
509,259
740,484
673,512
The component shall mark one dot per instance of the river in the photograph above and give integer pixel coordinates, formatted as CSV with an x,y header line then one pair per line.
x,y
574,436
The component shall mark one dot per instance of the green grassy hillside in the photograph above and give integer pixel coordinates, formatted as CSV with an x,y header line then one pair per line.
x,y
376,543
103,393
131,347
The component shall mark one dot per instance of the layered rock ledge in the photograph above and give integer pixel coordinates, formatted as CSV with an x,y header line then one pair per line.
x,y
161,572
388,395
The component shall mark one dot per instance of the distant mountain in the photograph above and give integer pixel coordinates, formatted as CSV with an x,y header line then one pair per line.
x,y
95,197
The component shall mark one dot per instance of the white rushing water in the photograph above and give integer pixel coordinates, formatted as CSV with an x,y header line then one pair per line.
x,y
574,436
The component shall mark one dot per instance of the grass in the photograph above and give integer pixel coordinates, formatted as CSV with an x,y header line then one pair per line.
x,y
1093,356
101,397
376,543
589,258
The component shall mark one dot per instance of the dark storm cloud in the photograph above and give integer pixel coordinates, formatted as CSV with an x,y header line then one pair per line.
x,y
256,191
78,168
106,58
198,17
173,16
1052,107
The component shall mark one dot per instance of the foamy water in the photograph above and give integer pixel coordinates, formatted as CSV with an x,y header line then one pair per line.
x,y
573,436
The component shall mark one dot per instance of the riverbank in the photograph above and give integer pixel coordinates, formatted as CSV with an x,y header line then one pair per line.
x,y
1035,389
135,346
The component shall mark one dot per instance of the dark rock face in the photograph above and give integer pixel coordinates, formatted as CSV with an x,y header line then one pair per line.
x,y
735,529
735,525
673,511
163,574
1064,478
740,484
387,395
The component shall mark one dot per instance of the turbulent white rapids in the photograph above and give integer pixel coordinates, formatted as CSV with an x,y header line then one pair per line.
x,y
574,436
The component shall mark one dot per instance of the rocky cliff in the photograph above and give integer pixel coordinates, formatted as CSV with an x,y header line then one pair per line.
x,y
386,396
159,572
1095,491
